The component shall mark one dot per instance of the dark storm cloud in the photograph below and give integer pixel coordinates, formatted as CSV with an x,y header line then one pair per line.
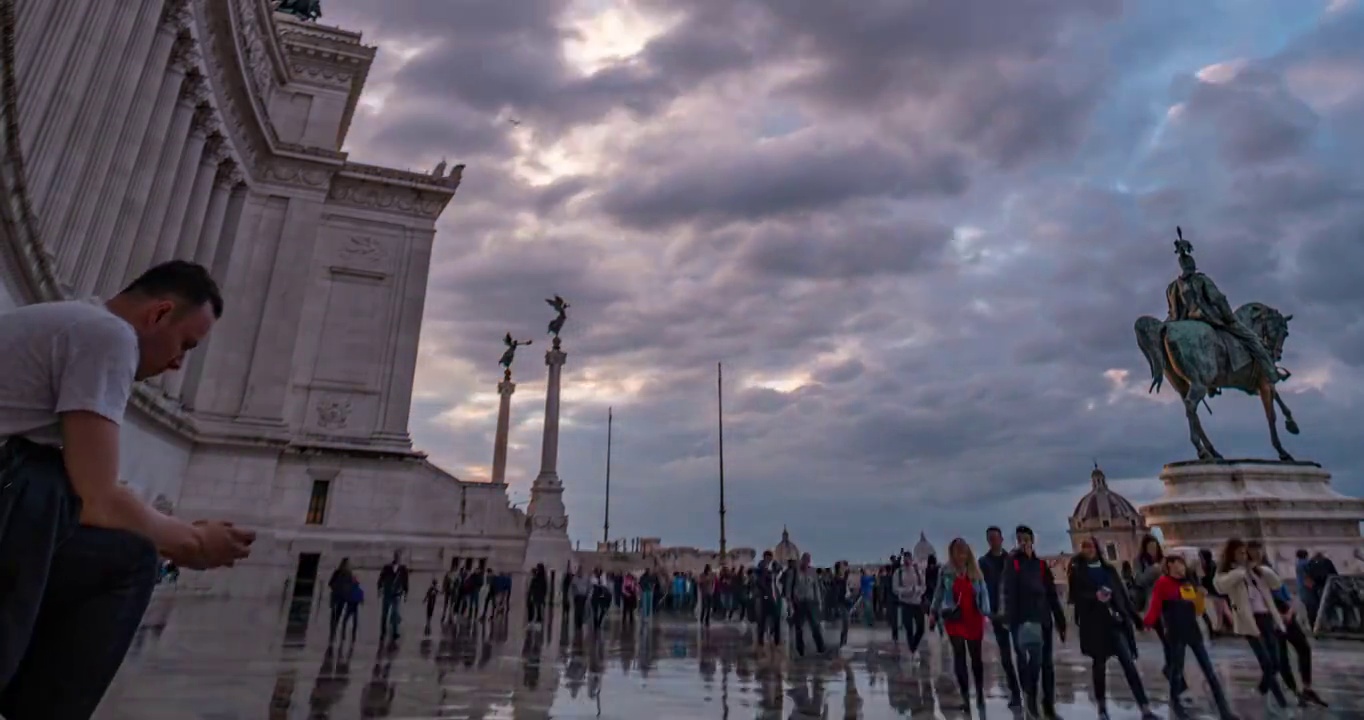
x,y
922,292
793,173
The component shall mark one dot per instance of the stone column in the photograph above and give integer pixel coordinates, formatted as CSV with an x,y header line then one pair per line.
x,y
546,521
549,448
203,247
71,97
504,390
186,239
135,240
39,79
143,63
129,166
182,190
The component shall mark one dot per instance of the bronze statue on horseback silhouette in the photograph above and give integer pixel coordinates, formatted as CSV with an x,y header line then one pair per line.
x,y
1203,346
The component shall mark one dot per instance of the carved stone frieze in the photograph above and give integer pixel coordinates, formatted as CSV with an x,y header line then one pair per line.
x,y
407,201
333,413
296,174
255,52
193,91
174,15
360,251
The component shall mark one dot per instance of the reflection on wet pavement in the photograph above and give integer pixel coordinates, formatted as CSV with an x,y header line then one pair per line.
x,y
239,660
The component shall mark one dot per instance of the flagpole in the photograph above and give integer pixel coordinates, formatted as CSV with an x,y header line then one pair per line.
x,y
606,516
720,417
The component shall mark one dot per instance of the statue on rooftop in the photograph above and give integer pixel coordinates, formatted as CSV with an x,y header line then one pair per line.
x,y
302,9
1204,346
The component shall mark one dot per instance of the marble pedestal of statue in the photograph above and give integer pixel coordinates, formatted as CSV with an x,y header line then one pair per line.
x,y
1286,505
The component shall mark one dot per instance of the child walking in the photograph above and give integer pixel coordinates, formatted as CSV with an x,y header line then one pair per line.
x,y
1176,601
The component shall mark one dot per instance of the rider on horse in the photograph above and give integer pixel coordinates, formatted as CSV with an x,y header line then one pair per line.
x,y
1194,296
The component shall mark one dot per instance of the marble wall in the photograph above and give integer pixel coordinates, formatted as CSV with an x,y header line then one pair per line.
x,y
211,130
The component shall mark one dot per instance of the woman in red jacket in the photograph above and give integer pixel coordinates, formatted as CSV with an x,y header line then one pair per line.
x,y
961,602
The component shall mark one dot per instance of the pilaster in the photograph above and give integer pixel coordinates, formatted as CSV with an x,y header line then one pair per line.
x,y
40,80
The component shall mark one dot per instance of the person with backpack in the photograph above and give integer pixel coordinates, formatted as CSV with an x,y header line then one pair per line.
x,y
1175,598
1032,610
339,586
908,586
1105,618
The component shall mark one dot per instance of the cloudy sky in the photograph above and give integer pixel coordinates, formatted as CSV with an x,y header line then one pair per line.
x,y
916,233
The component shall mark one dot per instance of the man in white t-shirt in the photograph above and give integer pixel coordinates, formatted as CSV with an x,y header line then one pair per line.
x,y
78,551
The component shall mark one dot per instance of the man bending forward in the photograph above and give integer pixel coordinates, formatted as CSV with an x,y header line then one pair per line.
x,y
78,551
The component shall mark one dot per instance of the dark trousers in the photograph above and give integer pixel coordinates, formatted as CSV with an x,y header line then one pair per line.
x,y
769,620
961,648
807,613
338,605
1035,663
1175,646
1099,674
579,611
71,597
1004,641
350,616
389,615
537,609
1295,637
1266,649
912,617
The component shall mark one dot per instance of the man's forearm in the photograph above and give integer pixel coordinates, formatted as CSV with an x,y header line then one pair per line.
x,y
117,508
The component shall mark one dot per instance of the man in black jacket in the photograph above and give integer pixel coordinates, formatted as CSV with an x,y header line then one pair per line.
x,y
1032,610
392,590
992,567
768,592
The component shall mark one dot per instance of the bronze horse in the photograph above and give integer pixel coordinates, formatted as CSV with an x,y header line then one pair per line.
x,y
1197,361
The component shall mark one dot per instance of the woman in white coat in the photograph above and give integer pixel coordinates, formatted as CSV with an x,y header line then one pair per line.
x,y
1250,591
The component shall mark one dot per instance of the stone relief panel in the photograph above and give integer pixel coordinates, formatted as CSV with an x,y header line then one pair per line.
x,y
338,413
354,328
362,252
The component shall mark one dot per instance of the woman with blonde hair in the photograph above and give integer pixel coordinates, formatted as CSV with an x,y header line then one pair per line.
x,y
962,602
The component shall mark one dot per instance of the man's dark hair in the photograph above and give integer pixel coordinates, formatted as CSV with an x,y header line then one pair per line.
x,y
993,528
1024,530
1302,554
183,280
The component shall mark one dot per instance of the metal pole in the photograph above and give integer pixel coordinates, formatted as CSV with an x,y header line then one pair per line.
x,y
720,416
606,516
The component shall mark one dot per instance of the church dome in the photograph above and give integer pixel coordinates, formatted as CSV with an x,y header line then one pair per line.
x,y
923,548
785,550
1101,506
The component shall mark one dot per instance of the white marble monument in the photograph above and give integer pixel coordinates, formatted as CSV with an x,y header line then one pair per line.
x,y
1286,505
138,131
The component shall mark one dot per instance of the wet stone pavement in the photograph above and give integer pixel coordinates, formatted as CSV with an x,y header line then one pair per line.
x,y
202,659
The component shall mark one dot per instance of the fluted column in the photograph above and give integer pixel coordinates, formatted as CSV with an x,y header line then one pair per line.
x,y
214,253
192,183
137,238
38,79
504,390
199,245
74,87
130,174
30,22
74,185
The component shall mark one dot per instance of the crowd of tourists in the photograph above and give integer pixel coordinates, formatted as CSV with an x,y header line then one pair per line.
x,y
1185,602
